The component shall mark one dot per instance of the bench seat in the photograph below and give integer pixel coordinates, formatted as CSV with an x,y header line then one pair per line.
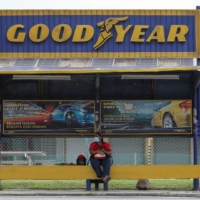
x,y
40,172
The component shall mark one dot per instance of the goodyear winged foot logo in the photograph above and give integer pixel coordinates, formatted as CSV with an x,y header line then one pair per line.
x,y
105,27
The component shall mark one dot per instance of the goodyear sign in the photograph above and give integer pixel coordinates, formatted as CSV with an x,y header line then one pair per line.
x,y
91,34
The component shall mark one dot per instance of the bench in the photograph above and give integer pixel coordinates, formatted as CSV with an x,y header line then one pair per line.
x,y
26,154
86,172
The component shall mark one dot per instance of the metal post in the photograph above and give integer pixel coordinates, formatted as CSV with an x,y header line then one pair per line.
x,y
195,135
30,161
1,146
0,155
135,158
97,115
86,149
195,126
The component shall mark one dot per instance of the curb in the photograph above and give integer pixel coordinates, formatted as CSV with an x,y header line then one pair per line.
x,y
160,193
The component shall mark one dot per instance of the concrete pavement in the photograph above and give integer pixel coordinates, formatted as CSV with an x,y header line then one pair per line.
x,y
101,192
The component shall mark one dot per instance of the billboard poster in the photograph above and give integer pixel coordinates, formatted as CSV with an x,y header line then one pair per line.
x,y
146,117
64,118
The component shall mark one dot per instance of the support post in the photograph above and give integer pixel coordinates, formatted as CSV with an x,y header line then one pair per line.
x,y
195,134
97,115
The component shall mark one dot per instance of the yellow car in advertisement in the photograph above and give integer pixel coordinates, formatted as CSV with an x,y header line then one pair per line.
x,y
172,113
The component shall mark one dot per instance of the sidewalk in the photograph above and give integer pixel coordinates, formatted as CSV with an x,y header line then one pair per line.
x,y
167,193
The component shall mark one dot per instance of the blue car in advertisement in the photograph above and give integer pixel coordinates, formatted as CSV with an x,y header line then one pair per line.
x,y
74,115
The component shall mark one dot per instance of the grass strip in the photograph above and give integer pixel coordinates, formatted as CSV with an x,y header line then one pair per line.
x,y
161,184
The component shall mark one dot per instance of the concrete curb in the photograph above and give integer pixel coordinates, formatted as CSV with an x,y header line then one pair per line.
x,y
164,193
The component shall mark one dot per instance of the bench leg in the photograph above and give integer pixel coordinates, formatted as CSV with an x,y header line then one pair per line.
x,y
88,184
96,185
105,186
96,182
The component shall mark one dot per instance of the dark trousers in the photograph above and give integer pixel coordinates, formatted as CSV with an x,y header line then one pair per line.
x,y
96,165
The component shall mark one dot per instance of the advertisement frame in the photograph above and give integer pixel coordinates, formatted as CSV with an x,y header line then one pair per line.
x,y
114,133
77,132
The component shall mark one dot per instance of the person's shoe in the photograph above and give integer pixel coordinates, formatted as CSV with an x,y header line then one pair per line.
x,y
106,178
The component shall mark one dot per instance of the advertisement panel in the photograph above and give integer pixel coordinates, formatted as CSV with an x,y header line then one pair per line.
x,y
146,117
70,118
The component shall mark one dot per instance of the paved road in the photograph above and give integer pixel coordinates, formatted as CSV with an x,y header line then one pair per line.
x,y
93,198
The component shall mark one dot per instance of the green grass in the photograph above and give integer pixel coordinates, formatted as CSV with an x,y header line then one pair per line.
x,y
163,184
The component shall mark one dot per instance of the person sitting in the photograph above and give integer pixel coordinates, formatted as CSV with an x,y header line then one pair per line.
x,y
100,152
